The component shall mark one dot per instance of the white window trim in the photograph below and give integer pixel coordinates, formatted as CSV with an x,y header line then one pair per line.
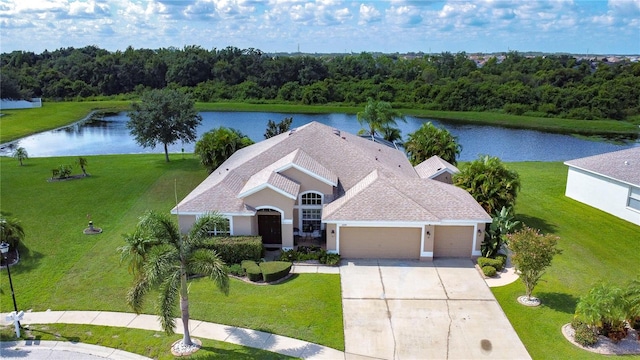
x,y
301,208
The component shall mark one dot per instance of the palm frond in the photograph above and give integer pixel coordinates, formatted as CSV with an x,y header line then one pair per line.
x,y
208,263
168,301
160,227
136,295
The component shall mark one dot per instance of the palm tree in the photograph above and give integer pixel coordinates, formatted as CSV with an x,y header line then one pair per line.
x,y
161,257
82,162
489,181
430,140
377,116
11,230
217,145
21,154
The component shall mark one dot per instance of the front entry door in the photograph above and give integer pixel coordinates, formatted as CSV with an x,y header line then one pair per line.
x,y
270,228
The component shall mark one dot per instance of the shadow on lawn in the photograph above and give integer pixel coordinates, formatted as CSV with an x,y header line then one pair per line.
x,y
537,223
562,302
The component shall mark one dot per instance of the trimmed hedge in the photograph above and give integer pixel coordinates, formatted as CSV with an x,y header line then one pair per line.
x,y
489,271
275,270
495,263
234,249
253,271
502,257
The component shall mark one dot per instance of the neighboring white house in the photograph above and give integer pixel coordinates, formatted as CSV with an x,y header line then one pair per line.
x,y
6,104
609,182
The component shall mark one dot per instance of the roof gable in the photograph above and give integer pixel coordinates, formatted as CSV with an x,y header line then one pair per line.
x,y
433,167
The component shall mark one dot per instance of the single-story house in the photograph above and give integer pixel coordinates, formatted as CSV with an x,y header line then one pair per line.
x,y
609,182
364,198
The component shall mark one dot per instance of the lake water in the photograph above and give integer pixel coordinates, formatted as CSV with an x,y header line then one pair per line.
x,y
110,136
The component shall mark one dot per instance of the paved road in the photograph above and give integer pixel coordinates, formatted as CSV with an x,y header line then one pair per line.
x,y
62,350
423,310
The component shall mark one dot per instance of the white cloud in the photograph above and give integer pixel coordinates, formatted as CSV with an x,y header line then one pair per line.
x,y
369,14
404,15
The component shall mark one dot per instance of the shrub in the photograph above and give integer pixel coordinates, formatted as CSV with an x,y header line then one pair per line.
x,y
236,269
604,309
494,263
329,259
584,335
275,270
289,255
64,171
489,271
503,259
253,271
235,249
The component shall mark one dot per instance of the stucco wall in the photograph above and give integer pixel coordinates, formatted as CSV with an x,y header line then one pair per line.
x,y
602,193
428,238
445,177
244,225
332,233
185,222
270,198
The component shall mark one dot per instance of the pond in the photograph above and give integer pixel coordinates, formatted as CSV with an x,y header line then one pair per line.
x,y
109,135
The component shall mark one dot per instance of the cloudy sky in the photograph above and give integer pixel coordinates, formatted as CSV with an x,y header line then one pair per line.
x,y
322,26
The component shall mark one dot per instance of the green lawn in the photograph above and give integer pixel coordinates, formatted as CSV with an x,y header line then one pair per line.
x,y
151,344
19,123
61,268
596,247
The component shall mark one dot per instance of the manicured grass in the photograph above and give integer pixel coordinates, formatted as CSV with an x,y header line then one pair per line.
x,y
19,123
151,344
597,247
23,122
63,269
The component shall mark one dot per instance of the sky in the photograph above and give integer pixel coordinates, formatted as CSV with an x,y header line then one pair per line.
x,y
326,26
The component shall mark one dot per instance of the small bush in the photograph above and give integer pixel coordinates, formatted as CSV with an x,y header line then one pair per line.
x,y
495,263
252,269
289,255
584,335
329,259
503,259
236,269
235,249
489,271
275,270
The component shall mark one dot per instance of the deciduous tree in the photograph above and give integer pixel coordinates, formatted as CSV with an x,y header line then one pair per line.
x,y
163,117
531,254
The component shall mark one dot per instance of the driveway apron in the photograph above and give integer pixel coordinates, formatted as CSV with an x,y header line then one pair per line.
x,y
401,309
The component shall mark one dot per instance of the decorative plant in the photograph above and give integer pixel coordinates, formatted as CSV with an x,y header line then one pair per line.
x,y
21,154
503,222
604,309
64,171
531,254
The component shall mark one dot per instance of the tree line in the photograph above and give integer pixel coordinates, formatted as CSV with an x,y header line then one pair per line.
x,y
555,85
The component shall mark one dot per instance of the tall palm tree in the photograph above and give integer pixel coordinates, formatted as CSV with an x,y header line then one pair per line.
x,y
377,116
161,257
430,140
21,154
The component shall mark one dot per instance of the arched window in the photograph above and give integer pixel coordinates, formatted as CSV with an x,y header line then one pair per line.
x,y
311,212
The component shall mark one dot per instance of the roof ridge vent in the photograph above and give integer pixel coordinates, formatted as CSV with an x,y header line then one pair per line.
x,y
336,132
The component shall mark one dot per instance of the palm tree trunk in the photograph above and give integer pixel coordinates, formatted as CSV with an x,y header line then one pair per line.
x,y
166,152
184,308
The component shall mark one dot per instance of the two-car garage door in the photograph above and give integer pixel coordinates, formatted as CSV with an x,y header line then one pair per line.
x,y
403,243
380,242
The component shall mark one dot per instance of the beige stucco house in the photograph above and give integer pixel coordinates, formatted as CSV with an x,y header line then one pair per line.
x,y
365,198
609,182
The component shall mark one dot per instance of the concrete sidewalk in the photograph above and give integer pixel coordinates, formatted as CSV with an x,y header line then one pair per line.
x,y
199,329
62,350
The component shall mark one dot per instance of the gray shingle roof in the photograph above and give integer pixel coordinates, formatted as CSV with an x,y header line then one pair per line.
x,y
623,165
368,172
434,166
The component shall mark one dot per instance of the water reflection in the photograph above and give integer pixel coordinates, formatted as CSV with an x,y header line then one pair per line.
x,y
109,135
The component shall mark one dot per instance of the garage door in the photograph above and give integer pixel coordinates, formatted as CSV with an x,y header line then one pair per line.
x,y
380,243
453,241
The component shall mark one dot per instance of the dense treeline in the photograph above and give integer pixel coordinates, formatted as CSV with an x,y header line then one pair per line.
x,y
543,86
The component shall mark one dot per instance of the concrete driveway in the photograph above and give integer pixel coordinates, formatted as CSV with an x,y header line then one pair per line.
x,y
395,309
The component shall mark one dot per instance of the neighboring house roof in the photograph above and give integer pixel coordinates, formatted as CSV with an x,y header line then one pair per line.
x,y
378,198
369,178
433,167
623,165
